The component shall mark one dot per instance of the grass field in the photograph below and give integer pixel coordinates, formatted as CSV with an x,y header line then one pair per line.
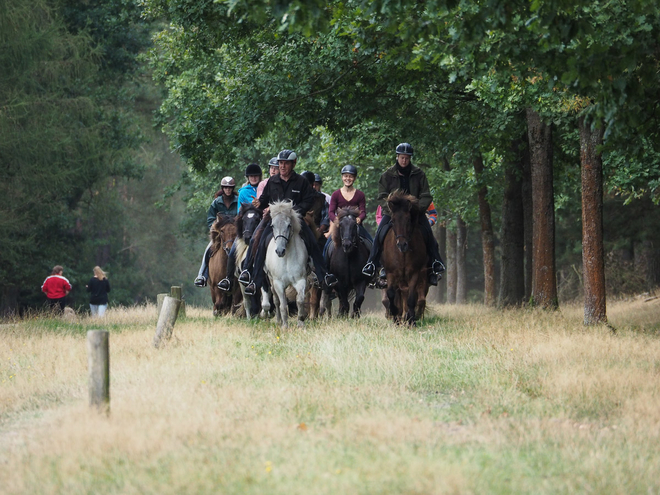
x,y
474,400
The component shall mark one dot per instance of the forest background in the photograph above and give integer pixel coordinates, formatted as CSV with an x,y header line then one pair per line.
x,y
88,177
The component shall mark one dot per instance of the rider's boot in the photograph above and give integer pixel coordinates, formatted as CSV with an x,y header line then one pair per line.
x,y
381,282
250,289
224,284
369,269
200,281
437,267
244,278
330,280
203,274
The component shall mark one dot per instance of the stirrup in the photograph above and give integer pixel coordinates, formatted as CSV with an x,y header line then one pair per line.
x,y
437,267
244,278
330,280
200,281
224,284
369,269
250,289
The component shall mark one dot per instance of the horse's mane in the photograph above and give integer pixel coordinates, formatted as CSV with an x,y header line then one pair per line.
x,y
398,200
341,213
286,208
245,209
220,221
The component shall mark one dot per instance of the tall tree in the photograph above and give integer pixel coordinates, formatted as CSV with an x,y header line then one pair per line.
x,y
593,256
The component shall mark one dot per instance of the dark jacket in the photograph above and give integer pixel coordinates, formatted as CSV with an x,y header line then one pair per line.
x,y
218,206
419,187
297,189
99,291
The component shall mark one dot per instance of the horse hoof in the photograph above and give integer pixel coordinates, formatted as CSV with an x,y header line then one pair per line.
x,y
301,323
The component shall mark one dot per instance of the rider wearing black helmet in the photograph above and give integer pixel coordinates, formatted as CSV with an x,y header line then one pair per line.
x,y
406,177
288,185
247,193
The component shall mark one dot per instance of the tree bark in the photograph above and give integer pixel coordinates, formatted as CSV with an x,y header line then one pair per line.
x,y
593,252
487,236
544,287
528,208
441,237
512,268
451,266
461,267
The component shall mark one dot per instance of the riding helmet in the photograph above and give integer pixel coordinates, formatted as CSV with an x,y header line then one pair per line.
x,y
349,169
287,155
309,176
317,178
252,169
228,182
273,162
404,149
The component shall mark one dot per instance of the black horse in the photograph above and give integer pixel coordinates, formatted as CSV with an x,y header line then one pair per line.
x,y
246,222
347,254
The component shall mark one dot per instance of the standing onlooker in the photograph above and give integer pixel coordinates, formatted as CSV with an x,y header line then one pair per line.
x,y
56,288
99,287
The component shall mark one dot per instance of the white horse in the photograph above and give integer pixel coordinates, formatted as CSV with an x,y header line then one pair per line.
x,y
286,262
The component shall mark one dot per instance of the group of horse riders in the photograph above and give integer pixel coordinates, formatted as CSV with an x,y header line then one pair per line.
x,y
304,191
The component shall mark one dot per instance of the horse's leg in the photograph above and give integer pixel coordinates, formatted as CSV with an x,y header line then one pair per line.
x,y
342,295
422,290
300,287
411,300
360,288
386,303
281,305
325,307
265,303
391,296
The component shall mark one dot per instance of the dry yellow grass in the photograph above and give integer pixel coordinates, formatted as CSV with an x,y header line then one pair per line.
x,y
474,400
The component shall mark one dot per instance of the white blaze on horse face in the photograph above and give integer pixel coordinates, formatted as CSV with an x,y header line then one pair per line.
x,y
250,215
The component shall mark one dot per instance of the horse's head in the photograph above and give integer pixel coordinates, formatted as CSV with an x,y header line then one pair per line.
x,y
223,232
348,228
285,222
405,212
247,220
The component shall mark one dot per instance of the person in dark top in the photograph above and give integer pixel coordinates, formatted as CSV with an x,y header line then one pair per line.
x,y
287,185
404,176
98,286
225,203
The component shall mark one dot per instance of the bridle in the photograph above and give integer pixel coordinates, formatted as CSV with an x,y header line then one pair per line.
x,y
284,236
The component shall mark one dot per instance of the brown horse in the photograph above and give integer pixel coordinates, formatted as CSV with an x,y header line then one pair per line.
x,y
223,233
404,259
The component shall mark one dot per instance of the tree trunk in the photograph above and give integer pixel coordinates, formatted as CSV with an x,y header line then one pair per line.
x,y
451,266
528,208
487,237
593,253
544,287
461,267
512,269
441,237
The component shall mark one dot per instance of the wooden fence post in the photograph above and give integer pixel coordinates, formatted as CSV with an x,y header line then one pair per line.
x,y
98,361
177,293
159,301
166,320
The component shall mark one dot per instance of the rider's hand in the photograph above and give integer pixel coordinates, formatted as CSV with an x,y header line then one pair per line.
x,y
358,220
256,203
326,234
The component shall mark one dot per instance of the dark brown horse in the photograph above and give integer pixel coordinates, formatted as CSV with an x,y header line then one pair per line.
x,y
404,259
346,256
223,234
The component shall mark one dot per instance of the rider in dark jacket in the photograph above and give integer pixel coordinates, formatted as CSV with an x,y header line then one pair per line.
x,y
412,180
288,185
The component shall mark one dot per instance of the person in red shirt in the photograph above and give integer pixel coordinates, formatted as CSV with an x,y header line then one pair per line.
x,y
56,288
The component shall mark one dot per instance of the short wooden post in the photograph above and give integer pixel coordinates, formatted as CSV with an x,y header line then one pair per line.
x,y
177,293
98,361
166,320
159,301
